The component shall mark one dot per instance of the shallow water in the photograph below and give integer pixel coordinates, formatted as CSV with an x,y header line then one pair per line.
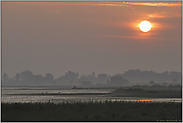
x,y
68,98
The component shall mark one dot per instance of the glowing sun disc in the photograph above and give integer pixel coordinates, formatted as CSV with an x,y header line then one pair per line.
x,y
145,26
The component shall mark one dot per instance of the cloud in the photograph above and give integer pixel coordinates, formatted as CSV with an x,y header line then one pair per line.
x,y
165,14
127,4
169,4
108,4
157,16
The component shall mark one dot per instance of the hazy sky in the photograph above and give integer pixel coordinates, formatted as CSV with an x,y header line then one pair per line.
x,y
86,37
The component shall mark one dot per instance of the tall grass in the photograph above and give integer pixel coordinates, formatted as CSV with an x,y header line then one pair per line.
x,y
91,111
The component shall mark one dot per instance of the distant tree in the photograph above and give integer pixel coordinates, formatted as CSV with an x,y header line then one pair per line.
x,y
26,76
91,77
152,83
83,78
60,80
38,78
71,76
86,83
17,77
103,77
93,74
135,76
165,84
68,78
118,80
49,77
5,77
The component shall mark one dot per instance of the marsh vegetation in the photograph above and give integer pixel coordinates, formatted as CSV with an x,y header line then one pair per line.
x,y
149,91
107,105
91,111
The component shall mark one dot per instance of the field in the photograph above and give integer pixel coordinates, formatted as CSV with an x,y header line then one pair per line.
x,y
92,111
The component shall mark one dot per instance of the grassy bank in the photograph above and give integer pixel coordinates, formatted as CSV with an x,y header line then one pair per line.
x,y
91,111
153,93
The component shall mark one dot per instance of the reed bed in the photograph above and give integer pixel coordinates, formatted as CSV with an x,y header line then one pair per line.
x,y
91,111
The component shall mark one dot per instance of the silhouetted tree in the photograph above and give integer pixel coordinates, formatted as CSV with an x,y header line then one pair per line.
x,y
71,76
26,76
86,83
103,77
93,74
83,78
90,77
17,77
49,77
164,84
152,83
5,77
38,78
118,80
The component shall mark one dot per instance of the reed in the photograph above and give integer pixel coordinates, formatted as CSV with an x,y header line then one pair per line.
x,y
91,111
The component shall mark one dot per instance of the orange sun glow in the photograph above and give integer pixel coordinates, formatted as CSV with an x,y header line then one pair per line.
x,y
145,26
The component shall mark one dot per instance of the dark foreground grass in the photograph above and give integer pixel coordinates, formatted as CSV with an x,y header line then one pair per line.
x,y
91,111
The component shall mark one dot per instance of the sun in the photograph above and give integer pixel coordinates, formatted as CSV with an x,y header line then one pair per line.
x,y
145,26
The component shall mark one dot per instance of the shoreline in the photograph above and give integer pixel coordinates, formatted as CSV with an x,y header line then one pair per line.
x,y
147,95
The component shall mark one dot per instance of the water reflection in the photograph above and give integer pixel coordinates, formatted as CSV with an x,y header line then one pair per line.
x,y
70,98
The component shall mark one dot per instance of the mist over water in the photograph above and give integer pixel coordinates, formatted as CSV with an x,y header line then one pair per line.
x,y
8,98
130,77
65,53
27,87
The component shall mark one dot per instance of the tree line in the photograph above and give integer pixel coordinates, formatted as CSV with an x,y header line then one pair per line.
x,y
71,78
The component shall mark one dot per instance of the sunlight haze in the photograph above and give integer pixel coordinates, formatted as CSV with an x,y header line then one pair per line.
x,y
86,37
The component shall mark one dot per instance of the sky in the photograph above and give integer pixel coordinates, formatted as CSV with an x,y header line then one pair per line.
x,y
86,37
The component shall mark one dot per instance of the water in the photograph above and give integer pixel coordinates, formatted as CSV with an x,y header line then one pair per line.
x,y
68,98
